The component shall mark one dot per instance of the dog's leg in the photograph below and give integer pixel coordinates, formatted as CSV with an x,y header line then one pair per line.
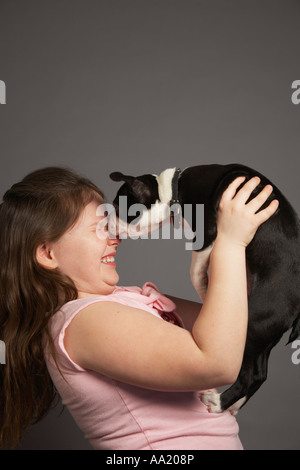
x,y
265,329
198,270
252,375
232,398
249,381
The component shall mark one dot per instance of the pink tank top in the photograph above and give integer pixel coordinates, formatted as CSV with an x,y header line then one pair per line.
x,y
117,416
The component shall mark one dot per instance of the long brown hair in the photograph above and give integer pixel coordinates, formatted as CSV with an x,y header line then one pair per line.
x,y
38,209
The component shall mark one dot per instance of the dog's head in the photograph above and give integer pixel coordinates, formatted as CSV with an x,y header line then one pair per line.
x,y
139,204
138,190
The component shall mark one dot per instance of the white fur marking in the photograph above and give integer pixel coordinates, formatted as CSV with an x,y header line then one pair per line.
x,y
152,218
148,223
212,401
164,181
236,406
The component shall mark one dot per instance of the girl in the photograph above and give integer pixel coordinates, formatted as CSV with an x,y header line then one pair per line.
x,y
128,367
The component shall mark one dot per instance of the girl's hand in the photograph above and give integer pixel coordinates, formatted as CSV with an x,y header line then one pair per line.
x,y
237,221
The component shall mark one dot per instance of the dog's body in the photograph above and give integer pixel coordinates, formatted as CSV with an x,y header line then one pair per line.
x,y
273,262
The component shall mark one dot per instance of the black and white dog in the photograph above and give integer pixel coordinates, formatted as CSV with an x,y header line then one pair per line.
x,y
273,261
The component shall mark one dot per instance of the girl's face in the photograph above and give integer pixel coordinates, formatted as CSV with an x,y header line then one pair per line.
x,y
87,259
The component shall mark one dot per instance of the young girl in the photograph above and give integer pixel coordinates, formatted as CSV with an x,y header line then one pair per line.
x,y
128,367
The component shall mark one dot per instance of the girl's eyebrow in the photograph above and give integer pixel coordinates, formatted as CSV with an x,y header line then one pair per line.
x,y
96,222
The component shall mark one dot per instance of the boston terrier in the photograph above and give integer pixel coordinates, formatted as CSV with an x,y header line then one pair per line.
x,y
273,260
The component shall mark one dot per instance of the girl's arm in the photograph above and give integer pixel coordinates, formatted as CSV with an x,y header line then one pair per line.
x,y
187,310
133,346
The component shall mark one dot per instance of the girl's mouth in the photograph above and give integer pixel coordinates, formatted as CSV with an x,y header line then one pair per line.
x,y
108,260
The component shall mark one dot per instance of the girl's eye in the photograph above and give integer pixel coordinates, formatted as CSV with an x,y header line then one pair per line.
x,y
102,231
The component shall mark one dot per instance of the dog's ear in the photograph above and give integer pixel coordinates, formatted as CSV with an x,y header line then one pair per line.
x,y
117,176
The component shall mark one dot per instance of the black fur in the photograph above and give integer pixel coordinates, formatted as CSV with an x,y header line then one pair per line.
x,y
141,189
273,264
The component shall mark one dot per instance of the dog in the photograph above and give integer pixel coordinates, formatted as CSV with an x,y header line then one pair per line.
x,y
272,258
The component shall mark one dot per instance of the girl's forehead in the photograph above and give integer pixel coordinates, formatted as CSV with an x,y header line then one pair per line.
x,y
89,215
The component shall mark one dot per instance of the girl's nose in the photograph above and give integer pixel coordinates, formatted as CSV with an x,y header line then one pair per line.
x,y
113,241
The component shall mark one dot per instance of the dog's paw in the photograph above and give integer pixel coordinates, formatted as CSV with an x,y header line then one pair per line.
x,y
212,401
234,409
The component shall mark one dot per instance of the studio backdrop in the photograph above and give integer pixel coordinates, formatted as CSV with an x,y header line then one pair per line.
x,y
141,86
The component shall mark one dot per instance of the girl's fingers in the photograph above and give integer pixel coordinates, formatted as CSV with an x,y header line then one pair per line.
x,y
260,198
255,204
266,213
231,190
244,193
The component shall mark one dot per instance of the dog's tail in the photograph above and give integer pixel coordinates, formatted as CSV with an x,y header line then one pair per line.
x,y
295,330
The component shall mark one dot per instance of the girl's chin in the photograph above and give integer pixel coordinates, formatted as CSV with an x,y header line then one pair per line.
x,y
109,286
104,289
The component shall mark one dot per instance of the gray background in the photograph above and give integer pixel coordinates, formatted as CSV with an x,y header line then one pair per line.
x,y
142,85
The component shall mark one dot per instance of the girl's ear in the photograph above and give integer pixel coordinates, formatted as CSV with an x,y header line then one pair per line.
x,y
45,257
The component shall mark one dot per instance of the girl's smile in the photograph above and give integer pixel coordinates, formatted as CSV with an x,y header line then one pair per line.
x,y
109,260
84,256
